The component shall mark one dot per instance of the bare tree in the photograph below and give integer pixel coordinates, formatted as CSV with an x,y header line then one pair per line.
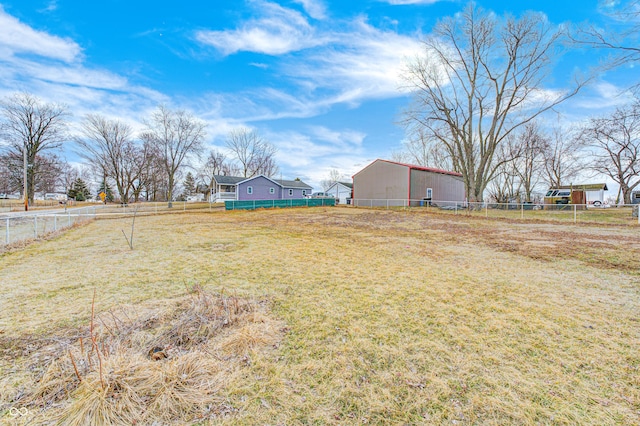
x,y
31,127
529,157
621,40
109,145
615,141
563,157
216,164
479,80
422,150
176,135
333,177
254,154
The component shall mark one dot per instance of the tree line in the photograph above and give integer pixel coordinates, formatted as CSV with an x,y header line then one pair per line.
x,y
479,101
147,165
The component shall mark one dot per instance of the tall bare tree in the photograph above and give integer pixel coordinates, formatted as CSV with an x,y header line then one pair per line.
x,y
176,135
421,150
31,127
479,79
254,154
615,141
216,164
109,145
563,157
529,157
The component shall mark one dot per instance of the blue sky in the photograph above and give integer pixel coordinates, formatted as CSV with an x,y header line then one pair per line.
x,y
317,78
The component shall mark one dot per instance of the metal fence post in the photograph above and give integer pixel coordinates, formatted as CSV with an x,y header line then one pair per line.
x,y
8,230
575,213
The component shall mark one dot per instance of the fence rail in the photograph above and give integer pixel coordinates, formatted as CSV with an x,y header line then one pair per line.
x,y
34,224
571,213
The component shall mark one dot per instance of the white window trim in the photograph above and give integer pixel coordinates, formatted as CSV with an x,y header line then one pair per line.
x,y
249,190
272,190
291,192
429,193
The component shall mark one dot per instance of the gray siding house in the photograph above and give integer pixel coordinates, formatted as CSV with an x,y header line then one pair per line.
x,y
258,188
385,182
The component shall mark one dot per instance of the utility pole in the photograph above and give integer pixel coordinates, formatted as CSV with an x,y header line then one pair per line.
x,y
26,196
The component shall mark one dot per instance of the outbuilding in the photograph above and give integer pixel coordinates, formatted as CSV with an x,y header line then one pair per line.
x,y
389,183
341,191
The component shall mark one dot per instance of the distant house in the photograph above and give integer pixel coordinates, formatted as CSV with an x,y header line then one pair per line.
x,y
635,197
258,188
341,191
385,182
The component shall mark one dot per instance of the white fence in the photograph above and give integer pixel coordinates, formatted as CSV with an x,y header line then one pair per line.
x,y
35,225
576,213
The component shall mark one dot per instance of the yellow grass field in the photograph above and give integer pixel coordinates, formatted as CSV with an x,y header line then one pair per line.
x,y
348,316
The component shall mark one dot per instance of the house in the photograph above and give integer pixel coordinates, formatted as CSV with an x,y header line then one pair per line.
x,y
389,183
341,191
258,188
635,197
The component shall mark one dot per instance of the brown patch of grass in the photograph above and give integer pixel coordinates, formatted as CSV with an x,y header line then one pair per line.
x,y
110,376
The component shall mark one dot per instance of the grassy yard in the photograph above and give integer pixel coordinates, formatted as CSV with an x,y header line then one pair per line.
x,y
356,316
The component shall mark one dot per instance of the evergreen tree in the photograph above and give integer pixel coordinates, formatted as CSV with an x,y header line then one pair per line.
x,y
79,190
109,192
189,185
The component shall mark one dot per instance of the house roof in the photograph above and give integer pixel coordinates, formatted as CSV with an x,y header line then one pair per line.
x,y
235,180
345,184
227,180
416,167
292,184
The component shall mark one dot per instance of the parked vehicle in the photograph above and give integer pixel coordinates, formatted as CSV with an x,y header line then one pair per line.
x,y
320,195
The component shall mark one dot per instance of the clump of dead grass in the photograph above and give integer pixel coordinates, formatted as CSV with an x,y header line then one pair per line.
x,y
164,365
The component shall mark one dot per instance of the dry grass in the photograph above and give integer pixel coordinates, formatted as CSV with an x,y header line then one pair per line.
x,y
165,365
392,317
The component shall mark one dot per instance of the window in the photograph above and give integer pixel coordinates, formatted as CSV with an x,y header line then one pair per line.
x,y
272,190
429,193
290,192
304,193
249,189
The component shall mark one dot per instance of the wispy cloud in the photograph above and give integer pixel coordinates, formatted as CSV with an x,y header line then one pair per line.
x,y
315,8
278,31
19,38
403,2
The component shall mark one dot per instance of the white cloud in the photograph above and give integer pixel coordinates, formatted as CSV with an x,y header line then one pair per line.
x,y
278,31
19,38
403,2
315,8
365,64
